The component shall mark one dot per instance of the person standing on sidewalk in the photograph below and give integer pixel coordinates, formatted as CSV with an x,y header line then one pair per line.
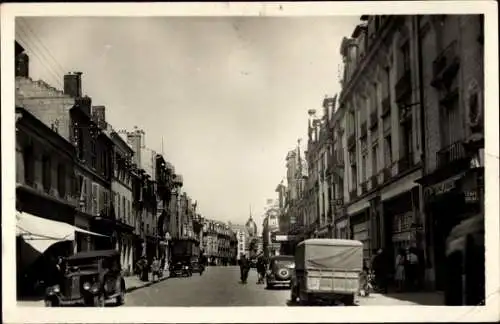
x,y
155,268
411,268
379,266
400,270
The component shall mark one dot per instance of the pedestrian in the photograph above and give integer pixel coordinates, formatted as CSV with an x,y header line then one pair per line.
x,y
261,269
155,269
144,269
399,276
379,267
412,268
244,268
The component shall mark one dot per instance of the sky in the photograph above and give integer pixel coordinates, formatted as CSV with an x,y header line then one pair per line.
x,y
228,95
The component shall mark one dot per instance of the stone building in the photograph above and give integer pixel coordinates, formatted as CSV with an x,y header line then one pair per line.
x,y
384,152
452,92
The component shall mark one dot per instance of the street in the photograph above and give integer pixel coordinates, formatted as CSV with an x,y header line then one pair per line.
x,y
220,286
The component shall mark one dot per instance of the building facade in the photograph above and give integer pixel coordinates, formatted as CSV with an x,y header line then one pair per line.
x,y
452,94
241,238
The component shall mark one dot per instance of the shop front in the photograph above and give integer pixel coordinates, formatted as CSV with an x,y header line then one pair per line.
x,y
360,229
448,203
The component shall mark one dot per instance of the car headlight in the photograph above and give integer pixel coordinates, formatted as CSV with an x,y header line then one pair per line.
x,y
291,266
56,289
86,286
186,267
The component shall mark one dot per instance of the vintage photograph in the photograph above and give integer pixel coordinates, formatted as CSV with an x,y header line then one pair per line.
x,y
204,161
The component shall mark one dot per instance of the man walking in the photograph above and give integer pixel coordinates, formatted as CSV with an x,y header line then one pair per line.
x,y
244,268
379,266
261,269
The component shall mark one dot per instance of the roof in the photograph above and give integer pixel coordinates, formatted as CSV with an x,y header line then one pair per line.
x,y
330,242
93,254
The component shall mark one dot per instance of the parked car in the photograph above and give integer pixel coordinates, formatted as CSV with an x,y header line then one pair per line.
x,y
181,269
91,278
280,271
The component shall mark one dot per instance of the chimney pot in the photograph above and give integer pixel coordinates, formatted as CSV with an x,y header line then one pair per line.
x,y
73,84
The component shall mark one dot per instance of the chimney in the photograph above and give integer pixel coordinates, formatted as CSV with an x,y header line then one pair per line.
x,y
73,84
134,139
85,104
99,116
22,62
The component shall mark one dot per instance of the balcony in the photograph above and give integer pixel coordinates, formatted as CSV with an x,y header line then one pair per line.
x,y
451,155
351,140
363,130
364,187
403,87
373,181
373,119
386,106
446,65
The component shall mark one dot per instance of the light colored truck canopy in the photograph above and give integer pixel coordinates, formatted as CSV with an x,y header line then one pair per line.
x,y
329,254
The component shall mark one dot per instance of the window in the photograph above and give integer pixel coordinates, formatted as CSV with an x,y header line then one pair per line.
x,y
46,173
388,82
61,180
130,211
374,159
95,210
450,124
29,165
105,201
93,153
387,151
406,139
124,216
354,177
405,56
363,166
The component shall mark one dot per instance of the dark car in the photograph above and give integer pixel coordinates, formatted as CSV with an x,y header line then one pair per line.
x,y
90,278
197,267
181,269
280,271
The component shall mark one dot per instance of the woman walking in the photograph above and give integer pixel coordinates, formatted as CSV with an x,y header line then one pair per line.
x,y
400,270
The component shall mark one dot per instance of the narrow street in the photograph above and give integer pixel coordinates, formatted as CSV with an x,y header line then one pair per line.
x,y
220,286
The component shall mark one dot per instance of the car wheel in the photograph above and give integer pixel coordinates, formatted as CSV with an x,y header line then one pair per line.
x,y
50,303
348,300
120,300
268,285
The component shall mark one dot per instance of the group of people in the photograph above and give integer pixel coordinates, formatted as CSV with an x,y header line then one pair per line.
x,y
143,267
406,270
245,265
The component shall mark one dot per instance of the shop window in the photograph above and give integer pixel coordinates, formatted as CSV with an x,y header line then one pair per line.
x,y
46,173
61,180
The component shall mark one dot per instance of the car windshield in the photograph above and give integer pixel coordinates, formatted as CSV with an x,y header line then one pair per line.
x,y
82,264
284,263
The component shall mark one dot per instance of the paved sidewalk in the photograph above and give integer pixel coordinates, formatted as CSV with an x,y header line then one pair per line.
x,y
403,299
131,283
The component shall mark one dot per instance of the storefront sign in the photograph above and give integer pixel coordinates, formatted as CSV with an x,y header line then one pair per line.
x,y
441,188
471,196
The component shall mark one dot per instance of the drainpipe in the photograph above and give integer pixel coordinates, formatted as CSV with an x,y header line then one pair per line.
x,y
422,133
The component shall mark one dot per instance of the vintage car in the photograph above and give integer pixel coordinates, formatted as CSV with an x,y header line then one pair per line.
x,y
91,278
327,270
280,271
181,268
197,267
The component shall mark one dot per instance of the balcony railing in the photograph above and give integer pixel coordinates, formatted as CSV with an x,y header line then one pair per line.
x,y
446,65
454,153
364,187
373,119
373,181
351,140
386,106
363,130
403,86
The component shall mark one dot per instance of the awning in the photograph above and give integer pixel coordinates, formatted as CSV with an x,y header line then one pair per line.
x,y
41,233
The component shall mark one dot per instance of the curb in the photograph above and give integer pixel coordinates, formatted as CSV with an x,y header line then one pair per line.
x,y
148,284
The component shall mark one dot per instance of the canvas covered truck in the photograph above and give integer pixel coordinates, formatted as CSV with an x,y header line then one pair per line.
x,y
327,270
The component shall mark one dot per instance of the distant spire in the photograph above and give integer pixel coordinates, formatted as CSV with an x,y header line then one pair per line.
x,y
250,211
